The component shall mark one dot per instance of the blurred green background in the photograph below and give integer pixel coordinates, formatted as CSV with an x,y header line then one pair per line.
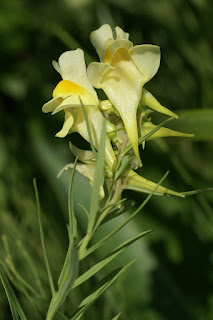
x,y
172,277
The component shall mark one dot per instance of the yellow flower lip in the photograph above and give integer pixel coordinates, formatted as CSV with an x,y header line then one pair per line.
x,y
68,87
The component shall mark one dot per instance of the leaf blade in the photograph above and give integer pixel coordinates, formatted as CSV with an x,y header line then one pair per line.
x,y
88,301
97,267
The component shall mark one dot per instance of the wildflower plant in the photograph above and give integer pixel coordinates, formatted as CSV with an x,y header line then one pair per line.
x,y
117,129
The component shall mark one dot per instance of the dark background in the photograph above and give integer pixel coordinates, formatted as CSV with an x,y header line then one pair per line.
x,y
172,277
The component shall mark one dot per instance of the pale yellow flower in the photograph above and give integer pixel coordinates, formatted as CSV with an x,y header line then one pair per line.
x,y
66,96
121,73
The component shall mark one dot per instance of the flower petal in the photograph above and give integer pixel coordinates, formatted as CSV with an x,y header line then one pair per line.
x,y
72,67
150,101
96,119
100,39
83,155
96,71
138,183
123,86
68,122
56,66
74,101
147,59
52,104
120,34
115,46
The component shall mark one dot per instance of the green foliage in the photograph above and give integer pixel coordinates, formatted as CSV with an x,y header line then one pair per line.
x,y
15,307
175,262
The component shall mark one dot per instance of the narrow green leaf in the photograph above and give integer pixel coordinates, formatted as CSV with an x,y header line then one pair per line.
x,y
31,266
93,270
18,282
66,262
72,225
84,209
98,180
100,242
66,280
122,165
15,307
116,317
42,239
128,242
12,273
87,302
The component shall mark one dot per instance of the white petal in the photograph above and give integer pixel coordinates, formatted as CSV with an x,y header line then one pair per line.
x,y
88,170
122,43
147,59
73,68
100,39
120,34
56,66
83,155
74,101
51,105
96,71
68,122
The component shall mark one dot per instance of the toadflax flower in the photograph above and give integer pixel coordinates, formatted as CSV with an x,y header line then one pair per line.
x,y
121,73
66,96
133,181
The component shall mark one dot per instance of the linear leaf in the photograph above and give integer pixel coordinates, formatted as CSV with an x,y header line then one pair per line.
x,y
66,280
100,242
124,162
93,270
88,301
15,307
42,238
116,317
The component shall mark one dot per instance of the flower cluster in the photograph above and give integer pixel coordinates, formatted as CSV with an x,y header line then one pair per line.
x,y
121,73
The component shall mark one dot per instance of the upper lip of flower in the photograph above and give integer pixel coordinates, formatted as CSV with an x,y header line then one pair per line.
x,y
75,83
